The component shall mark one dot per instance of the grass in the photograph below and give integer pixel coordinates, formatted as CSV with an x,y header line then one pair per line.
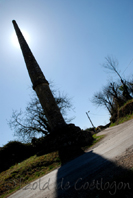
x,y
97,138
23,173
30,169
126,103
122,120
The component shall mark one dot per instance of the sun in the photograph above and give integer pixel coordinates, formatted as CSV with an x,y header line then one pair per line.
x,y
14,38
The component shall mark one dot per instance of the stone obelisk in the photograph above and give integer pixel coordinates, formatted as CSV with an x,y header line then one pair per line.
x,y
40,84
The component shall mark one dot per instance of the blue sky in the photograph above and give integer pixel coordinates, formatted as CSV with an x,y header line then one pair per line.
x,y
70,40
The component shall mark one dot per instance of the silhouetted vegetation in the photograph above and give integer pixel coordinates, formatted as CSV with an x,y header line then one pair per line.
x,y
22,172
14,152
115,94
33,122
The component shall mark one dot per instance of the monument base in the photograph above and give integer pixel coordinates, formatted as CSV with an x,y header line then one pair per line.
x,y
69,153
68,140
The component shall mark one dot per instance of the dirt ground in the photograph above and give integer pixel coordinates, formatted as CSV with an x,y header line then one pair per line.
x,y
126,160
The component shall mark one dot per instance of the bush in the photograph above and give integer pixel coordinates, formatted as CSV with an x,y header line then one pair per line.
x,y
126,109
14,152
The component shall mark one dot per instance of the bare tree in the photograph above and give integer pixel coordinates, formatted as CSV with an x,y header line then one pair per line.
x,y
33,122
130,86
113,91
112,64
110,97
101,99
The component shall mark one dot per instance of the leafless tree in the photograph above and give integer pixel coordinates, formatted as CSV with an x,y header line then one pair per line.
x,y
112,64
113,91
101,99
33,122
110,97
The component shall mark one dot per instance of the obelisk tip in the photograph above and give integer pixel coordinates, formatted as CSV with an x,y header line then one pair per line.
x,y
13,21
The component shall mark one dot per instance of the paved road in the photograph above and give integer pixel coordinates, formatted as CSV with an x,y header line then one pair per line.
x,y
79,175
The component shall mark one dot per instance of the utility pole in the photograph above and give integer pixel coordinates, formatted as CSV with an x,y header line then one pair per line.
x,y
90,119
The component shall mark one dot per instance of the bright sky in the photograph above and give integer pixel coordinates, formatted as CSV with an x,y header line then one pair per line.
x,y
70,40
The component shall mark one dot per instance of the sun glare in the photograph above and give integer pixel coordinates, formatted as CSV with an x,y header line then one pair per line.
x,y
14,38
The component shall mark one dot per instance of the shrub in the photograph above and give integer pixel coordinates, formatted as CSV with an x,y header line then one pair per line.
x,y
14,152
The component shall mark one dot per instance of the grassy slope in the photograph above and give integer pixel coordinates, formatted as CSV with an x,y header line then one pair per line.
x,y
30,169
125,113
122,119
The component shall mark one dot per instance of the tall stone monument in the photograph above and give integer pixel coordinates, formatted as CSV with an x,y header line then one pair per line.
x,y
66,138
40,84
